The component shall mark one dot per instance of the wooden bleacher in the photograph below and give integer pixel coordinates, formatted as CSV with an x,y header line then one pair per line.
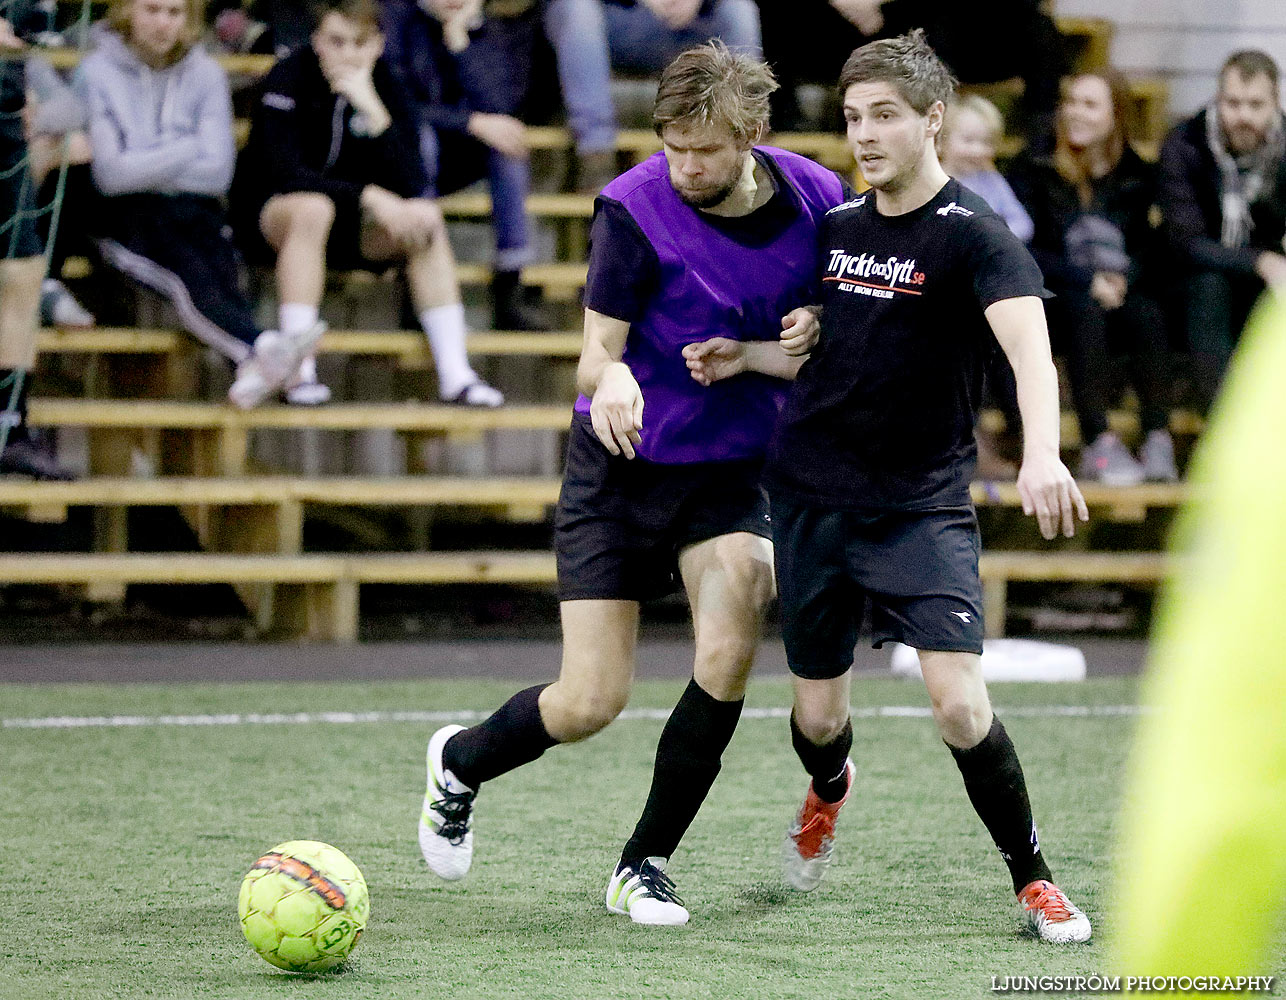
x,y
220,433
316,596
409,348
218,436
251,527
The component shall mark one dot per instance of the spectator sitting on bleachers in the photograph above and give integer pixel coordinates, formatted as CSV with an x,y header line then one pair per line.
x,y
160,130
466,74
1091,204
591,37
331,176
1223,199
971,133
981,43
56,128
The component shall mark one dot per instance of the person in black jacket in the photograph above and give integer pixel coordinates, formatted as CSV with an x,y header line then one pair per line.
x,y
1091,204
466,75
1223,199
331,176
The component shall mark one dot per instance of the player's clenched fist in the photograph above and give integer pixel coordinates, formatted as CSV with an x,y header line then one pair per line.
x,y
800,329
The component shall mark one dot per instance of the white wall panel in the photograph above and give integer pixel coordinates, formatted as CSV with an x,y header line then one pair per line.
x,y
1185,41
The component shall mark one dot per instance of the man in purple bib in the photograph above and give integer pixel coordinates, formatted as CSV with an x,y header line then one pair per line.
x,y
701,257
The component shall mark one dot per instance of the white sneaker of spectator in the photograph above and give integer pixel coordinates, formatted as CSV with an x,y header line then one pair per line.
x,y
277,356
59,308
303,389
473,393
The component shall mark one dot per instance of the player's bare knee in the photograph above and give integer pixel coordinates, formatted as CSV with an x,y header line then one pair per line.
x,y
585,715
821,726
722,667
961,722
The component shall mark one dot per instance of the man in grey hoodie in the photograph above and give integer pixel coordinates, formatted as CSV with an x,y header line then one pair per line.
x,y
160,126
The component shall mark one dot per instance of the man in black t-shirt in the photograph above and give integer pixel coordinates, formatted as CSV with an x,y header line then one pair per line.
x,y
869,471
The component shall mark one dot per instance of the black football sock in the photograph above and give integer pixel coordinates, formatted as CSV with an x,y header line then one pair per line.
x,y
13,403
687,762
826,765
994,780
512,736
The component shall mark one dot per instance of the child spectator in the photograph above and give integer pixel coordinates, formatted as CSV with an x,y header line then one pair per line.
x,y
331,176
590,37
160,131
466,74
1091,205
970,137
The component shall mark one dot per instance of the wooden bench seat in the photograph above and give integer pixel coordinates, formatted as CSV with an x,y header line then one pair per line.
x,y
49,501
1128,504
999,569
266,514
316,596
521,498
304,596
219,435
560,282
409,347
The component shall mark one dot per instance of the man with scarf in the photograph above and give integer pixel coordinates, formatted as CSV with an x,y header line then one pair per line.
x,y
1223,196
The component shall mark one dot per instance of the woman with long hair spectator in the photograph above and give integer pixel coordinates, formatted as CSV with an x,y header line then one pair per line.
x,y
1091,203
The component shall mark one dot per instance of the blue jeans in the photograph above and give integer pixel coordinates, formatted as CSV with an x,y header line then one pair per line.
x,y
509,179
590,38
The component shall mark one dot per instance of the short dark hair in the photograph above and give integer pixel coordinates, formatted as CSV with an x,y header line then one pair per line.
x,y
909,63
712,83
363,12
1250,63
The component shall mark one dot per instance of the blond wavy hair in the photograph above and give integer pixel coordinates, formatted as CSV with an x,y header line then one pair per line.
x,y
712,84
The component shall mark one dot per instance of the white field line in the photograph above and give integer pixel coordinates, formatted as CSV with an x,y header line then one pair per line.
x,y
464,715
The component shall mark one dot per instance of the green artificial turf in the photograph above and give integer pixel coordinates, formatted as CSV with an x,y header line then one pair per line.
x,y
122,849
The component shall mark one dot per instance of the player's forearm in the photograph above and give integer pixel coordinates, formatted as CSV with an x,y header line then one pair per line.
x,y
767,358
1037,383
1019,326
603,347
589,372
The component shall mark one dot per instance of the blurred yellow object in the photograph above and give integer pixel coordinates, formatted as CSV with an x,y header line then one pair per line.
x,y
1202,870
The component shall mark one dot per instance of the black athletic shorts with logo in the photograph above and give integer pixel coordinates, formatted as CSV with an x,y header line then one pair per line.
x,y
621,523
917,570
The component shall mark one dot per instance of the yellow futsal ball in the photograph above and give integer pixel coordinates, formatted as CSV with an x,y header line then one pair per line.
x,y
303,906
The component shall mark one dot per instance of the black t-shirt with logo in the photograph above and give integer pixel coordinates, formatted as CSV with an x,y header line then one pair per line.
x,y
881,415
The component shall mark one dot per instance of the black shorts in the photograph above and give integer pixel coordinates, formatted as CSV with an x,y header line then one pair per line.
x,y
19,237
918,570
343,245
621,523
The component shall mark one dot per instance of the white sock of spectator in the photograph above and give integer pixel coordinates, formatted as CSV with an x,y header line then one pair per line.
x,y
307,370
446,330
296,317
